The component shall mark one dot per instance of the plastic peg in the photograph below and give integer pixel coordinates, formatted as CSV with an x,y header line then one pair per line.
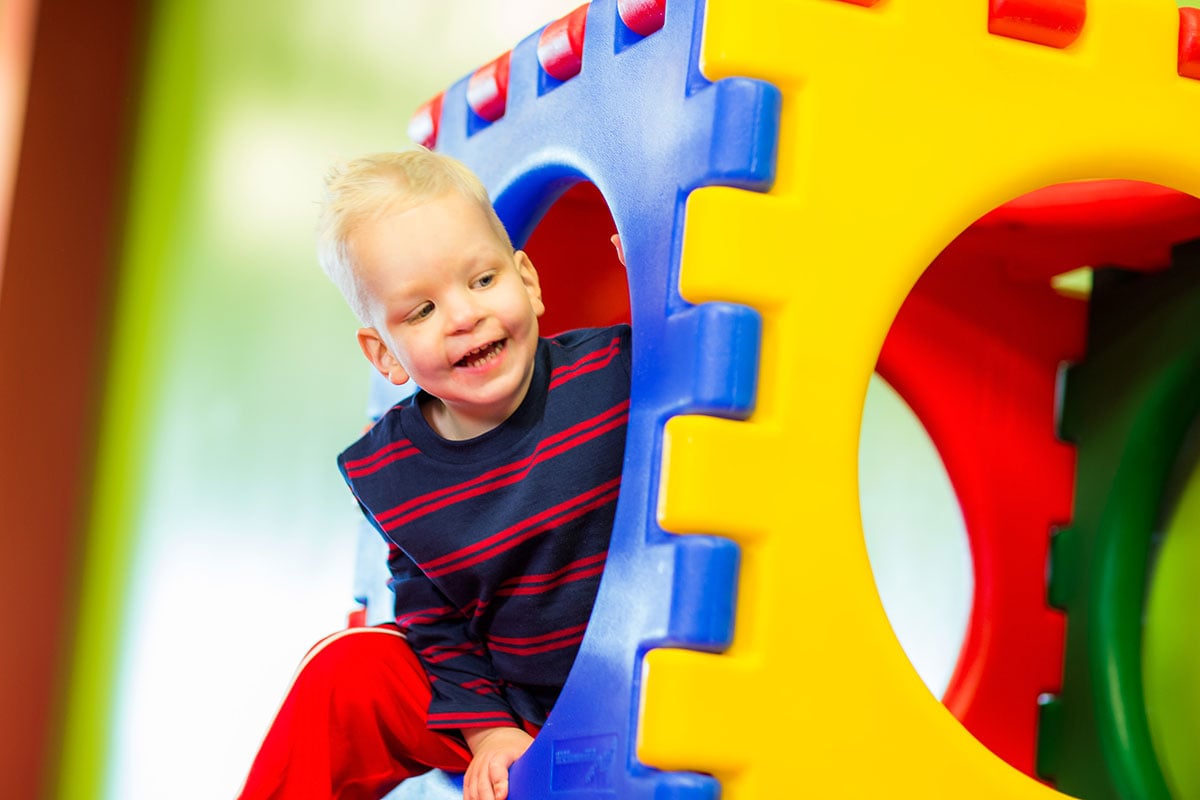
x,y
487,88
643,17
560,47
1054,23
1189,42
423,126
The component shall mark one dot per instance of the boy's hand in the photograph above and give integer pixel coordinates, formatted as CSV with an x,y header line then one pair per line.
x,y
493,751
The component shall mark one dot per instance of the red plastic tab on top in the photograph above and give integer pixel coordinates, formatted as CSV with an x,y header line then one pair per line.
x,y
643,17
861,2
1054,23
1189,42
560,47
487,88
423,127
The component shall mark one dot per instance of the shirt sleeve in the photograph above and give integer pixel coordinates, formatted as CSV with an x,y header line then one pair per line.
x,y
467,692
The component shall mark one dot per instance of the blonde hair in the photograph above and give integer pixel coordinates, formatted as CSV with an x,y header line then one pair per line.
x,y
362,190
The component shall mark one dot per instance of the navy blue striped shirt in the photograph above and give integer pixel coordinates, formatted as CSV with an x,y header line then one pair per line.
x,y
497,543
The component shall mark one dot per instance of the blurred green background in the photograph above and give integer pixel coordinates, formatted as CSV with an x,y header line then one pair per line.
x,y
222,538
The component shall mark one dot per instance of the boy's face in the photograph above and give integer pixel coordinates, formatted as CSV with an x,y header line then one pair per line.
x,y
454,309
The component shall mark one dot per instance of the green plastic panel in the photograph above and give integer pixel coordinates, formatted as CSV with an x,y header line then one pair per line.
x,y
1128,407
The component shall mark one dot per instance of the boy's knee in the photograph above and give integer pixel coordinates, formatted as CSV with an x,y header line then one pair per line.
x,y
354,654
365,680
359,668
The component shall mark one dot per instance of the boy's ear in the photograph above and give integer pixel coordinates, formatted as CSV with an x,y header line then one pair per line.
x,y
377,352
529,277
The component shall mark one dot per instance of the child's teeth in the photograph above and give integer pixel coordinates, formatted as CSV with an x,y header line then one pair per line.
x,y
481,356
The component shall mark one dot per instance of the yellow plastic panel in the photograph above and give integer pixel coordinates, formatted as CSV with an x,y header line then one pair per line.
x,y
903,122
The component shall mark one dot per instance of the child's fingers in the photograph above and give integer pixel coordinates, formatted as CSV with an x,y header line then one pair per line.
x,y
616,241
476,783
489,782
498,778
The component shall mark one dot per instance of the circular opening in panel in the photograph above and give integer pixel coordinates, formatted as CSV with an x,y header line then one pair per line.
x,y
583,283
915,535
1031,353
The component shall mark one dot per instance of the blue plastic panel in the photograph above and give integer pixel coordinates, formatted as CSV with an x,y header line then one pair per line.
x,y
641,123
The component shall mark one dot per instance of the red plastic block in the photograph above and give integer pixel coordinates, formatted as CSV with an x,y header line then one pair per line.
x,y
487,88
1054,23
560,47
1189,42
643,17
423,127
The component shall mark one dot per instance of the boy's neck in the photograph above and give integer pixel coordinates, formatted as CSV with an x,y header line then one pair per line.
x,y
457,425
454,427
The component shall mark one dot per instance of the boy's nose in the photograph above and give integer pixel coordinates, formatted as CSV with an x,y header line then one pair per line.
x,y
464,313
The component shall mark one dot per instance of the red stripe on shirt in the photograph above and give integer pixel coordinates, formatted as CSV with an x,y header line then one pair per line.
x,y
541,637
436,654
480,606
590,363
510,537
464,719
380,458
422,616
509,474
532,645
482,686
543,649
522,591
536,584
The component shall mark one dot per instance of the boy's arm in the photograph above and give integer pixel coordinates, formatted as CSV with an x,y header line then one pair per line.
x,y
466,690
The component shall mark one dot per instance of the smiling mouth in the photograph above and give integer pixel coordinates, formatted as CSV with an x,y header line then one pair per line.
x,y
481,355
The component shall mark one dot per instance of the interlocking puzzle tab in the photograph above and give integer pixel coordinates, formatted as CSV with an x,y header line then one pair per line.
x,y
782,172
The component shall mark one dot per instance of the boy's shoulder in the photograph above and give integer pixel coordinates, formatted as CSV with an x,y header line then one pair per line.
x,y
583,338
611,343
600,354
382,439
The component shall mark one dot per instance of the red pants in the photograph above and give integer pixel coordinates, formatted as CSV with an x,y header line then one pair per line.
x,y
353,724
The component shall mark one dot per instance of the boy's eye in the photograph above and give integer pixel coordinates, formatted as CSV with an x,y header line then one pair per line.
x,y
485,280
421,312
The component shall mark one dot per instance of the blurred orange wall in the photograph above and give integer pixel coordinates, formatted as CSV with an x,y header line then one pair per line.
x,y
69,81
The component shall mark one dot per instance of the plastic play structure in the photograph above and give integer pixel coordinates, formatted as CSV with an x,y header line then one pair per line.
x,y
808,191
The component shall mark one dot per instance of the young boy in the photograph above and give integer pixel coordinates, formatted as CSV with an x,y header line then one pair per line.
x,y
495,486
